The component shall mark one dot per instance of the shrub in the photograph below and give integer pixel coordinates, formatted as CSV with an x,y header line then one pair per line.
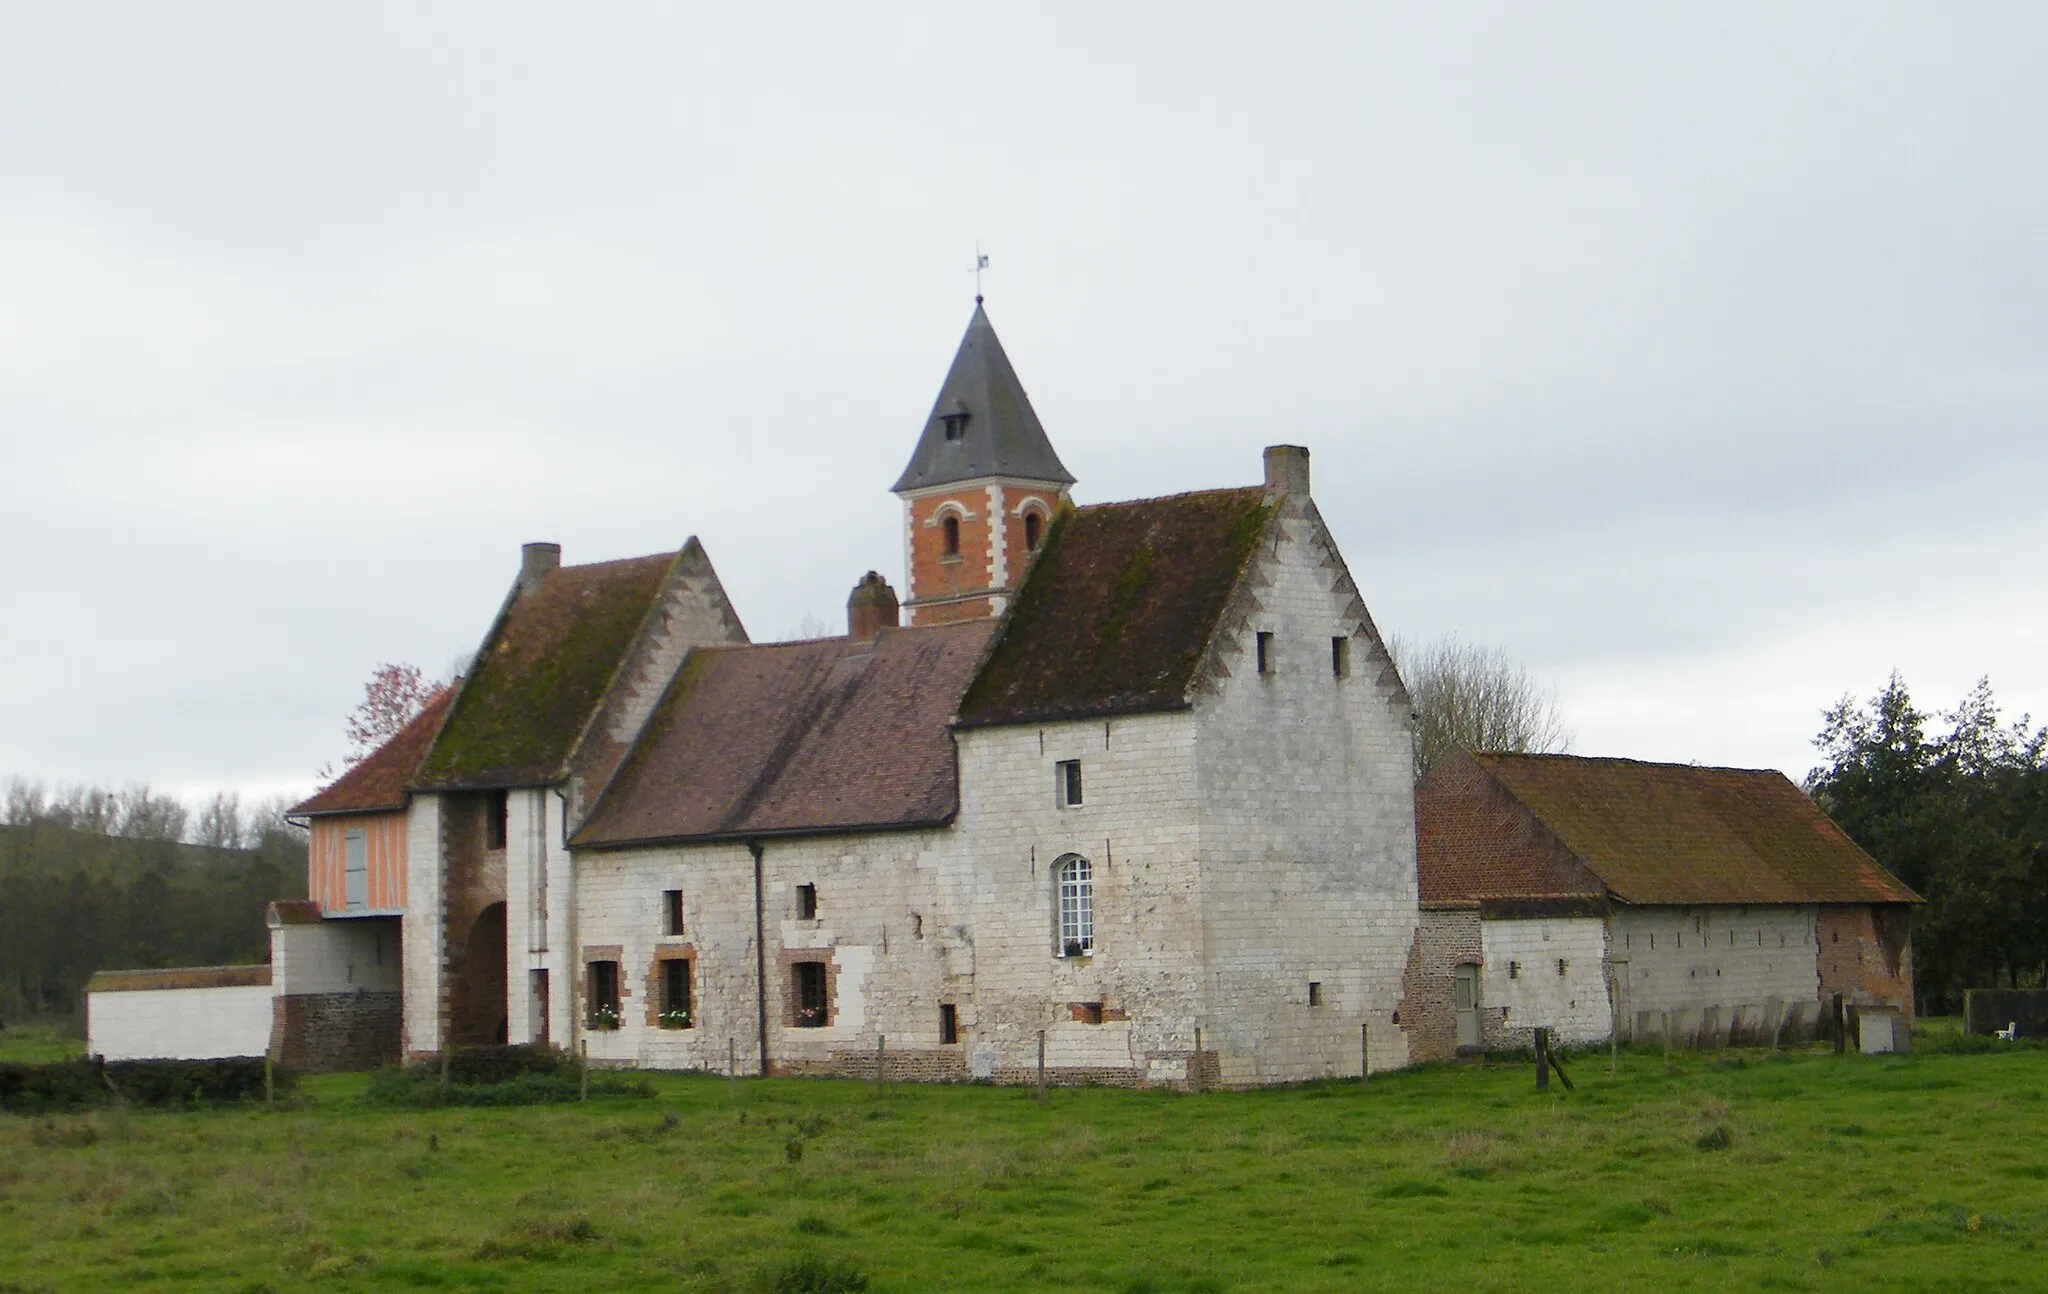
x,y
501,1064
421,1086
83,1084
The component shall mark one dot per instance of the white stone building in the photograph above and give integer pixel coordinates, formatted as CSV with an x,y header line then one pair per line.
x,y
1702,905
1130,773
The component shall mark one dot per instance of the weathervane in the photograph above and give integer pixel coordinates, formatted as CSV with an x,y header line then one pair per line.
x,y
980,264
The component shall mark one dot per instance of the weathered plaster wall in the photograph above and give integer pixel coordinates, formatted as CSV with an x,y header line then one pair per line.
x,y
179,1023
1721,973
1522,986
422,934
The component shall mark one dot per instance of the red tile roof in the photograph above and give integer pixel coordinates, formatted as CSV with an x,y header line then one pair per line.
x,y
378,782
1682,834
1474,843
1118,608
541,673
797,738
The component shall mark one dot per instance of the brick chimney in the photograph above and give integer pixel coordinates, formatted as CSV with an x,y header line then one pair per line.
x,y
535,561
1286,469
870,608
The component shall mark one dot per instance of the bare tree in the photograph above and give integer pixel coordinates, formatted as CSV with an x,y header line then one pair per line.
x,y
1469,697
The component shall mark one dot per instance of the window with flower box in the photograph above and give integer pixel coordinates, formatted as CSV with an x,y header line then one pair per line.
x,y
604,995
677,1011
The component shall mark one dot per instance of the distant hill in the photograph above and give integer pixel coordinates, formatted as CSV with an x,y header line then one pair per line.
x,y
73,902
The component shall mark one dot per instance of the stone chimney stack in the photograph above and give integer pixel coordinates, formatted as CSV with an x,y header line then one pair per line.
x,y
1286,469
535,561
870,608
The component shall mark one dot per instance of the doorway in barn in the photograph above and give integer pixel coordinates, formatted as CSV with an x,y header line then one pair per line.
x,y
1465,998
477,1013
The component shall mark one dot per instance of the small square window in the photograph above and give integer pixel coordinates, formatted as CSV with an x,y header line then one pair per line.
x,y
1514,970
671,912
1091,1013
1562,964
1265,645
1315,993
949,1023
807,903
1067,783
1340,658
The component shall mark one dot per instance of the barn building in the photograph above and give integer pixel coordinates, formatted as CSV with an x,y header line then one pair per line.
x,y
1122,775
1712,905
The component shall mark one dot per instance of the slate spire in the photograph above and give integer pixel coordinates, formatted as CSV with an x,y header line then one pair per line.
x,y
982,423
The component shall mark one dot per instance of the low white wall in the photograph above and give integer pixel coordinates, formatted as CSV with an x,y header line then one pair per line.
x,y
179,1023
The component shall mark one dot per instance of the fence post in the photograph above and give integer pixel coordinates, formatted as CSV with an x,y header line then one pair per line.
x,y
1195,1065
1664,1037
1364,1052
1041,1067
732,1070
1542,1059
881,1061
583,1072
445,1049
269,1092
1835,1009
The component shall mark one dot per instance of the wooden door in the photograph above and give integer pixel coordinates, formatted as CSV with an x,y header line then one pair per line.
x,y
1465,997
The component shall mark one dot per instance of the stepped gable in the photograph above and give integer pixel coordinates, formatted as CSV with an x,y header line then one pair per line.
x,y
982,424
1119,608
541,673
1682,834
800,738
378,782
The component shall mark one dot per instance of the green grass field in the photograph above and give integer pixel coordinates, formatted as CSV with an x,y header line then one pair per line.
x,y
1735,1170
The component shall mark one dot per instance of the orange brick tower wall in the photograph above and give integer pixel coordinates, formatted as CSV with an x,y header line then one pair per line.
x,y
993,520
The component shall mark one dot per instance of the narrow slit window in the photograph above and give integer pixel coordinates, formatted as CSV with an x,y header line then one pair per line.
x,y
949,1024
807,903
952,528
1067,783
808,986
1340,658
1031,525
1265,646
671,912
1315,993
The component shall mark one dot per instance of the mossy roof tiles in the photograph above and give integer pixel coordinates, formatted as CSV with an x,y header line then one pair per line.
x,y
378,782
1118,608
797,738
541,673
1682,834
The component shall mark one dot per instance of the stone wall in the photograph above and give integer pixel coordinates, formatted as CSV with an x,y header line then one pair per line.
x,y
1445,939
1720,974
1306,820
1866,955
320,1033
1548,972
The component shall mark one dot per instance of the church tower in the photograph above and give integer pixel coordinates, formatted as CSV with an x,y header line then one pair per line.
x,y
980,490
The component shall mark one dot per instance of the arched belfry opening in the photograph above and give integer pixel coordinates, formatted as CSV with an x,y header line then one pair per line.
x,y
981,451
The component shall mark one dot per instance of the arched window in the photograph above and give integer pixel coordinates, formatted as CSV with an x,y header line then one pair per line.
x,y
952,527
1030,532
1074,880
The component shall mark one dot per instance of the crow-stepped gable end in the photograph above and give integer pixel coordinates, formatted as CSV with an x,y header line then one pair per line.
x,y
981,489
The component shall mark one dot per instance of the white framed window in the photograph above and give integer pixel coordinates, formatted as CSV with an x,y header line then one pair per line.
x,y
1074,880
1067,783
355,869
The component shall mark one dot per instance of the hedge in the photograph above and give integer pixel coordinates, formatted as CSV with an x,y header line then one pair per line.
x,y
83,1084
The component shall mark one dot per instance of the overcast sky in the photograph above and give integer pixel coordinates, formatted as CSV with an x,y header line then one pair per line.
x,y
1694,357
